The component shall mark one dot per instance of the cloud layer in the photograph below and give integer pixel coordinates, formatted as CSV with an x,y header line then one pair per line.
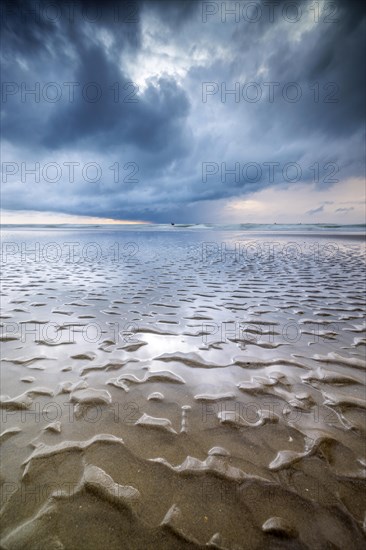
x,y
158,111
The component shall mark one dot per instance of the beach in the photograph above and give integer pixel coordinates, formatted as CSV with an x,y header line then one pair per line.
x,y
183,387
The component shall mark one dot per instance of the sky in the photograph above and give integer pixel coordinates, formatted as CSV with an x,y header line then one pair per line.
x,y
186,111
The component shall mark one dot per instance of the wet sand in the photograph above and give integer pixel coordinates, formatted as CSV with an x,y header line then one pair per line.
x,y
182,389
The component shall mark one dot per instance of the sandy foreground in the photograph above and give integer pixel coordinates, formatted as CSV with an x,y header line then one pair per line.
x,y
180,389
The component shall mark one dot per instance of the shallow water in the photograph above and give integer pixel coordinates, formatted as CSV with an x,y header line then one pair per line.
x,y
178,389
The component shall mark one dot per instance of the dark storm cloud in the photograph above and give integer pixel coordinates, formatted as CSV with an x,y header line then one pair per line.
x,y
154,123
326,63
168,131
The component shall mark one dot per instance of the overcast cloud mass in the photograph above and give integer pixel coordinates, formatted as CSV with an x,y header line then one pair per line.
x,y
138,90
